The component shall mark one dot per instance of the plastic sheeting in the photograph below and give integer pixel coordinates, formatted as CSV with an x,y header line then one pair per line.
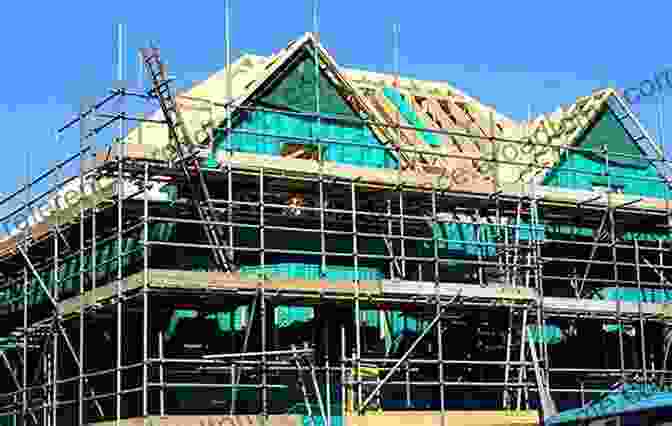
x,y
646,295
550,334
226,321
621,166
410,116
265,132
107,258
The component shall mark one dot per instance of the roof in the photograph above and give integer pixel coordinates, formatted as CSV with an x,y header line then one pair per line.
x,y
435,106
387,98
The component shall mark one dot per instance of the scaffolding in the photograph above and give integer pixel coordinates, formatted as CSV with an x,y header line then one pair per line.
x,y
58,319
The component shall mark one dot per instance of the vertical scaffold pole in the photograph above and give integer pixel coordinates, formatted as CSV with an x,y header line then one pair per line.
x,y
507,367
228,130
54,396
24,369
120,299
439,328
327,381
120,257
162,376
82,306
358,313
82,251
344,386
145,297
91,144
262,299
641,317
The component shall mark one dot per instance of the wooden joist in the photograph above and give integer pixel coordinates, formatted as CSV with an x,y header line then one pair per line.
x,y
221,280
392,418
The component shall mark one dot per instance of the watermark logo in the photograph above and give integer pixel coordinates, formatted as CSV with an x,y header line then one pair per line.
x,y
506,162
60,207
648,88
534,152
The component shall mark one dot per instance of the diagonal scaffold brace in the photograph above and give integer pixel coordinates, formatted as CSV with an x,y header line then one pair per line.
x,y
408,353
180,138
59,325
16,381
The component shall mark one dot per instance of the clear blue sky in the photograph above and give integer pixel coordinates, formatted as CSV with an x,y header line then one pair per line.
x,y
509,54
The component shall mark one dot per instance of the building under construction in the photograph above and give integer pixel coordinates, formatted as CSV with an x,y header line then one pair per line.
x,y
294,242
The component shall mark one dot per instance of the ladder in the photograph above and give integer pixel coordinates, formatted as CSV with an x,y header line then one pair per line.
x,y
515,352
517,337
304,366
541,374
529,275
547,404
179,135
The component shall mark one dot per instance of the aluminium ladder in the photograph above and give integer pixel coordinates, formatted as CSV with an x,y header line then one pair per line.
x,y
180,136
304,365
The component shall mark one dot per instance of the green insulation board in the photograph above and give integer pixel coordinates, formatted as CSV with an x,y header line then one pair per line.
x,y
551,334
296,91
630,172
226,321
170,191
615,328
308,242
266,132
454,240
398,320
646,295
307,271
410,116
464,238
107,254
560,231
285,316
467,239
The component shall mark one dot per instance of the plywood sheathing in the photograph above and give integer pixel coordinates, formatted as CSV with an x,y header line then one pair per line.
x,y
136,421
397,418
433,418
238,420
8,247
37,233
132,151
204,279
105,293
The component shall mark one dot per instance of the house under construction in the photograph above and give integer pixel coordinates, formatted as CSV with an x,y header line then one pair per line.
x,y
293,242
